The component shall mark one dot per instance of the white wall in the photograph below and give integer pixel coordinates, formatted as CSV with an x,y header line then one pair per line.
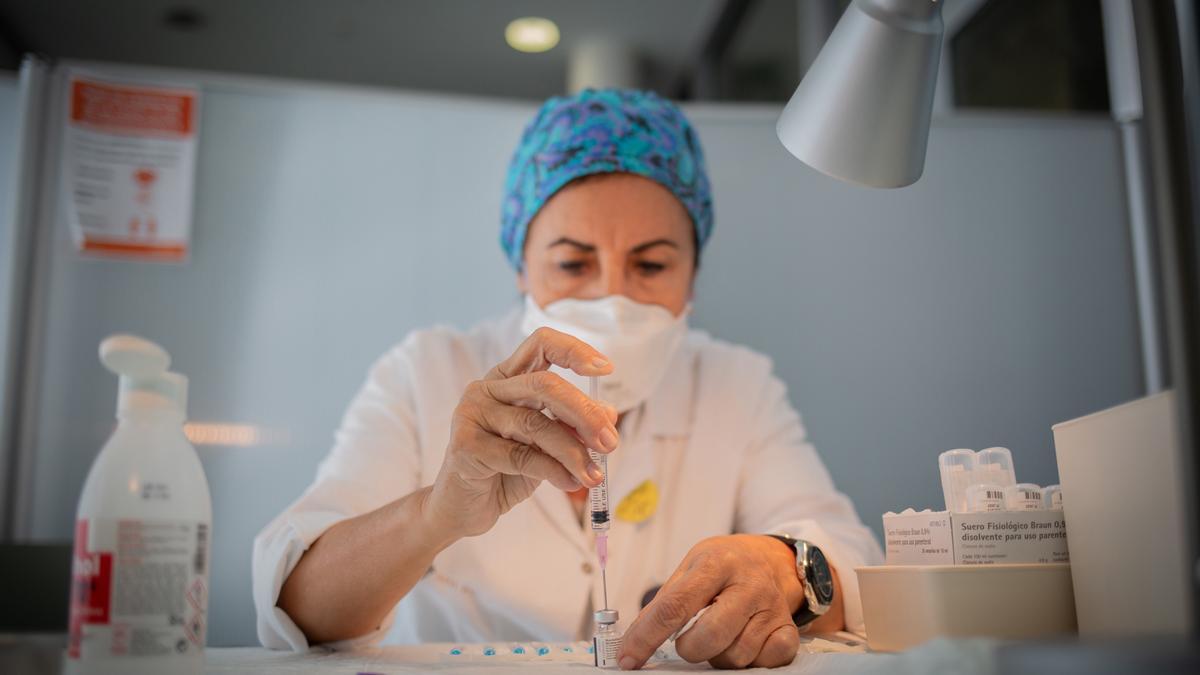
x,y
978,307
975,308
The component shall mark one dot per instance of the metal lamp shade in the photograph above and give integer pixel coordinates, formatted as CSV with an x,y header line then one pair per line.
x,y
861,113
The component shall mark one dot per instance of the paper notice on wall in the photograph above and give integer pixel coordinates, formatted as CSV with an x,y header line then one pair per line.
x,y
129,156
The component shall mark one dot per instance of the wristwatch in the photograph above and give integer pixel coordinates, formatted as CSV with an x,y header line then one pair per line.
x,y
818,580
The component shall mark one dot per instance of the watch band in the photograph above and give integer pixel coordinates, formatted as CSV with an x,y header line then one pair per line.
x,y
813,607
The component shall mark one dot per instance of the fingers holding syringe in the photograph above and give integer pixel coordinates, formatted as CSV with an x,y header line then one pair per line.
x,y
531,428
593,421
546,347
514,458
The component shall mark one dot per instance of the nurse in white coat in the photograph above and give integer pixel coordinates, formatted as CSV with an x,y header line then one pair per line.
x,y
451,506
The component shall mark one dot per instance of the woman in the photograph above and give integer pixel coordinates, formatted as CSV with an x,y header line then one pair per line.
x,y
454,495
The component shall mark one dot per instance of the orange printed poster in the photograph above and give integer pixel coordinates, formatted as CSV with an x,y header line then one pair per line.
x,y
129,156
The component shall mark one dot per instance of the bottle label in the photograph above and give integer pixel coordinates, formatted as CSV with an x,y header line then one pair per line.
x,y
139,588
605,649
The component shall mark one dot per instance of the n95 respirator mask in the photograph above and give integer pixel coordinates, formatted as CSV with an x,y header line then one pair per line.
x,y
639,339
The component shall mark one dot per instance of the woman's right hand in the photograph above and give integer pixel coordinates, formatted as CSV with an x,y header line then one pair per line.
x,y
501,444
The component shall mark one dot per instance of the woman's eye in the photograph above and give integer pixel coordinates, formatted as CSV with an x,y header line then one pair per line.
x,y
572,266
647,267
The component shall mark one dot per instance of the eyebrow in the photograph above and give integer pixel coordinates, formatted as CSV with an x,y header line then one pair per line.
x,y
572,242
651,244
589,248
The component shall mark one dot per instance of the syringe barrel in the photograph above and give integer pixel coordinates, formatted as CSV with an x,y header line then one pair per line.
x,y
598,496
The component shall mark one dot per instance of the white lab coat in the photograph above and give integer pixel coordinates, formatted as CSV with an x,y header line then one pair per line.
x,y
718,437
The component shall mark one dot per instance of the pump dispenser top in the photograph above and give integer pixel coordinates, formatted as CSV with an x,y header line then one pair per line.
x,y
145,382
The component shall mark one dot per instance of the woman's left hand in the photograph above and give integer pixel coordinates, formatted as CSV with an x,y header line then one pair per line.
x,y
753,587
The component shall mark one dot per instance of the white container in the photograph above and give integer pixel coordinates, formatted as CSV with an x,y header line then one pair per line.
x,y
1052,497
995,466
907,605
139,597
1023,497
957,469
1130,516
983,497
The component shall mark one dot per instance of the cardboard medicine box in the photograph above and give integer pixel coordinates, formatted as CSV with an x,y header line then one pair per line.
x,y
984,538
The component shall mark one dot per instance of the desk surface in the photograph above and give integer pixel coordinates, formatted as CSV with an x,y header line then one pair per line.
x,y
939,656
21,654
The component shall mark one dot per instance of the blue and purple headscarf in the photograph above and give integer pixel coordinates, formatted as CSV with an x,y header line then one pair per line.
x,y
603,131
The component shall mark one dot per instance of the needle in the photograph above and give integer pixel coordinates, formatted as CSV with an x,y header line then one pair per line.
x,y
604,581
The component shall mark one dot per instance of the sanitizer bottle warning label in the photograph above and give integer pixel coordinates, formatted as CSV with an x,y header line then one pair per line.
x,y
139,588
91,588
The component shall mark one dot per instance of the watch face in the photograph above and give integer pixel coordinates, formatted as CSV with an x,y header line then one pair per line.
x,y
820,576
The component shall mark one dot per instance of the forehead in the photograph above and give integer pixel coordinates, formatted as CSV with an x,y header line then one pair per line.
x,y
615,209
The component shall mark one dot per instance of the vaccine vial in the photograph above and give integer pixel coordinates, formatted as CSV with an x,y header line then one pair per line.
x,y
985,497
606,643
1052,497
995,466
957,468
1023,497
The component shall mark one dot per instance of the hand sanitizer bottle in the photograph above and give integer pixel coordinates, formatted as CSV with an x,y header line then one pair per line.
x,y
139,592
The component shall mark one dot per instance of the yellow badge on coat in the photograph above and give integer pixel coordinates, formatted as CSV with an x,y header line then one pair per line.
x,y
639,504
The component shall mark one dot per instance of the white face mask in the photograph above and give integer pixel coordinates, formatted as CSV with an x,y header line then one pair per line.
x,y
638,339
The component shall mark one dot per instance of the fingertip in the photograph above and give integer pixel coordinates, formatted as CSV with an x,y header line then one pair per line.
x,y
595,473
779,649
609,439
595,368
628,663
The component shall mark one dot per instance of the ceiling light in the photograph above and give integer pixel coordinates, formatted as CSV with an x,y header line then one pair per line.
x,y
531,34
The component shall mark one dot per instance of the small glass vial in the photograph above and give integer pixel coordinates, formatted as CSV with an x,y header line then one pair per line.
x,y
985,497
957,468
606,643
995,465
1023,497
1052,498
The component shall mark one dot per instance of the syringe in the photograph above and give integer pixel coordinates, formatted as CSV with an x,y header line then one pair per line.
x,y
598,499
